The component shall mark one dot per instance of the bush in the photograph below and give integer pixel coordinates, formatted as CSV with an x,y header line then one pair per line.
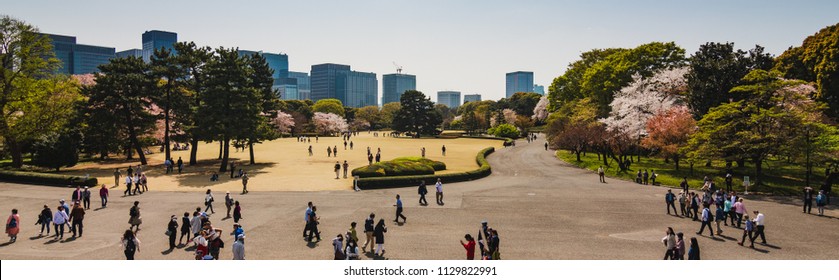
x,y
400,181
403,166
505,130
46,179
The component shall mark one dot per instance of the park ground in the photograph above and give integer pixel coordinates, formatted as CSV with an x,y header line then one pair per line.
x,y
285,165
542,208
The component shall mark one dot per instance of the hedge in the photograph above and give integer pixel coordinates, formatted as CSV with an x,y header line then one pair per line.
x,y
401,181
507,141
46,179
402,166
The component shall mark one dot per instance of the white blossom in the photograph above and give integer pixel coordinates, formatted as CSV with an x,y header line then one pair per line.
x,y
329,123
636,103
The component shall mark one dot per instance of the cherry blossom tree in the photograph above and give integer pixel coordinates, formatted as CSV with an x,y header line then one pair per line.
x,y
670,130
509,116
283,122
636,103
540,112
328,123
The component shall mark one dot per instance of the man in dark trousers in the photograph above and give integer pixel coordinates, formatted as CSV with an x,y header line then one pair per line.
x,y
86,198
546,146
706,220
670,198
369,159
337,169
808,199
180,165
232,167
346,167
422,191
77,195
399,210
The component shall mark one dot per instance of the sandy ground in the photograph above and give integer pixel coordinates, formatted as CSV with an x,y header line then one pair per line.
x,y
542,208
285,165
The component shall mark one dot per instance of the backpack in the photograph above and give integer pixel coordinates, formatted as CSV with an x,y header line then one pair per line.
x,y
12,223
130,246
133,212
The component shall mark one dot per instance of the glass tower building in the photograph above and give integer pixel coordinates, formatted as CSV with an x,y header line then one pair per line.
x,y
449,98
276,61
129,53
471,97
303,84
362,89
354,89
156,39
77,58
539,89
394,85
519,81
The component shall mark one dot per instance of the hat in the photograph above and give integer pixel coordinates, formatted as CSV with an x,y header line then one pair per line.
x,y
62,201
85,187
236,225
484,222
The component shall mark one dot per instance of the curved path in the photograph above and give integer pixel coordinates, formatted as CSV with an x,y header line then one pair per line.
x,y
542,208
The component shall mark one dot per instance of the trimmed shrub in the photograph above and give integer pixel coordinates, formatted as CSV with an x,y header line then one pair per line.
x,y
403,166
46,179
401,181
504,130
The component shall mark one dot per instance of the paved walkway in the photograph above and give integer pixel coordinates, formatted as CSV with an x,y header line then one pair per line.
x,y
542,208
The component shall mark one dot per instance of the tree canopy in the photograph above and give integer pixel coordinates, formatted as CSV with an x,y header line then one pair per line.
x,y
416,115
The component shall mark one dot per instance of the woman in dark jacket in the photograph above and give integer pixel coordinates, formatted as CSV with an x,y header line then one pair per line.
x,y
172,230
237,212
693,252
45,218
185,228
379,232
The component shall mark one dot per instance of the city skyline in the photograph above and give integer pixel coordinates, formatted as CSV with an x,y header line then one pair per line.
x,y
463,36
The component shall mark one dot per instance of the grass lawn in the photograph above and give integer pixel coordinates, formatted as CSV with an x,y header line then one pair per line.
x,y
779,177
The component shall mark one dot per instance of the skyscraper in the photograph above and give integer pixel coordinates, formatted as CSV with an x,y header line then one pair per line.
x,y
354,89
394,85
303,83
539,89
287,88
77,58
519,81
131,52
156,39
471,97
276,61
449,98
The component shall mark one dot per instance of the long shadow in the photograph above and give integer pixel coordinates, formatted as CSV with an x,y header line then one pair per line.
x,y
771,246
51,241
37,237
6,244
100,208
312,245
168,251
191,248
67,240
727,238
199,175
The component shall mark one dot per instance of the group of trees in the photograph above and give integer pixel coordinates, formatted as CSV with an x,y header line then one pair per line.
x,y
718,104
521,111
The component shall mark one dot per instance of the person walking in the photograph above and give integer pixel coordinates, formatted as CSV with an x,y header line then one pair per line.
x,y
346,167
728,180
59,219
86,198
232,169
739,210
245,179
306,219
228,202
378,157
130,244
185,228
439,187
128,182
760,226
379,232
748,231
239,248
719,217
351,250
77,219
338,248
44,219
693,252
310,150
469,246
399,210
670,199
145,182
422,151
117,174
694,205
208,202
77,195
237,212
196,225
669,241
601,174
444,150
172,231
821,201
103,195
369,159
328,151
214,242
680,246
138,185
135,219
335,151
808,200
684,184
313,224
422,191
369,229
546,146
706,221
682,200
13,226
337,169
180,165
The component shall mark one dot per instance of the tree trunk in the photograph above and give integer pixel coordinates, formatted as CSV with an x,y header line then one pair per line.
x,y
758,170
193,153
708,163
220,148
741,163
605,160
676,161
225,144
578,156
691,168
16,152
166,139
250,150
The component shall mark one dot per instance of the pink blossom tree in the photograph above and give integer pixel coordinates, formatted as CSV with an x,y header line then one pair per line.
x,y
329,123
669,131
283,122
636,103
540,112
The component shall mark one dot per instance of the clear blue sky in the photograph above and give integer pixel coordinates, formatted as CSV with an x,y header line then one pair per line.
x,y
450,45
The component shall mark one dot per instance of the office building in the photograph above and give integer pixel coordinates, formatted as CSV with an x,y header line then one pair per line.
x,y
129,53
286,89
449,98
302,81
519,81
539,89
156,39
354,89
276,61
471,97
394,85
77,58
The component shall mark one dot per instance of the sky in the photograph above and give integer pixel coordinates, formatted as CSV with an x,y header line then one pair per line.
x,y
465,46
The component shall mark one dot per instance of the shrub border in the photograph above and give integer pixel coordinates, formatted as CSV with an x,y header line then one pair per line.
x,y
484,170
506,140
46,179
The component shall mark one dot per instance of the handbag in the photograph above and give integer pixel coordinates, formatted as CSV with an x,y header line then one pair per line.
x,y
168,233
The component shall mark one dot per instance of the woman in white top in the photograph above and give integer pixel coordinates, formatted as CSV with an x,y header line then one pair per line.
x,y
59,219
669,241
130,243
351,251
208,201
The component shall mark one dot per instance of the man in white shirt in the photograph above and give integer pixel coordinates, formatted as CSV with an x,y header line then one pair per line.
x,y
759,223
127,186
439,187
239,248
601,174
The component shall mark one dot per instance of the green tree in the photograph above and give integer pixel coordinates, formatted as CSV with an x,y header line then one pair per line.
x,y
504,130
165,67
124,89
816,60
56,150
329,105
259,126
26,57
521,102
567,88
388,112
416,115
715,69
192,60
369,114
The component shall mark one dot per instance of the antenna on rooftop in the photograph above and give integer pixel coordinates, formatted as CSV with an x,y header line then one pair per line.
x,y
398,68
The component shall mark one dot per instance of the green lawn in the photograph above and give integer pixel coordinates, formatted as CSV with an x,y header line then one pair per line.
x,y
779,177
